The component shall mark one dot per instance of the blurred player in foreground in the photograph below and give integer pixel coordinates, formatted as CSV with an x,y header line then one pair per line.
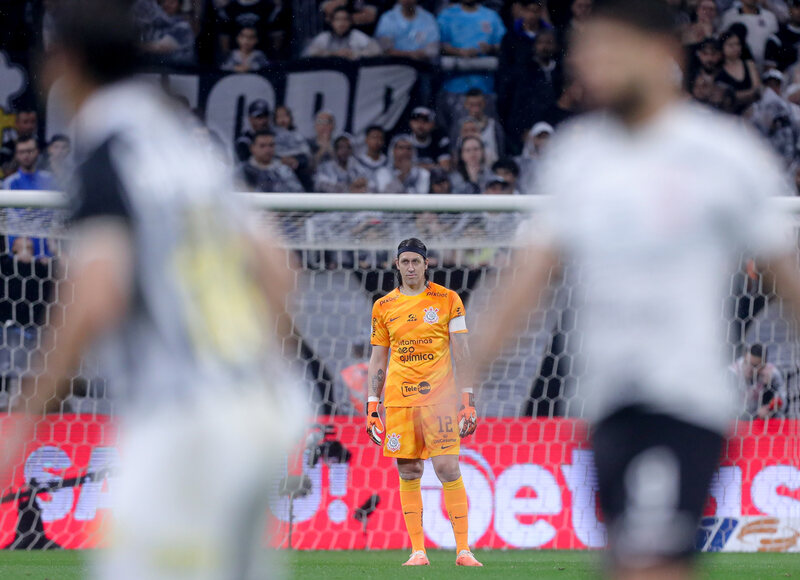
x,y
424,326
654,200
182,295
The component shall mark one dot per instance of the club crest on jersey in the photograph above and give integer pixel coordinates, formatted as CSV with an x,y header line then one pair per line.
x,y
431,315
393,442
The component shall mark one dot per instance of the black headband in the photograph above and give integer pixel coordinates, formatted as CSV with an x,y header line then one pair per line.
x,y
422,252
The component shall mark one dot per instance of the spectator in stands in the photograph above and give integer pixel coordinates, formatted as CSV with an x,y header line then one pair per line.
x,y
440,181
536,87
26,125
291,147
489,130
760,383
169,38
373,158
703,25
410,31
788,37
432,145
706,58
471,173
772,116
322,143
702,88
342,40
402,175
271,19
263,172
759,22
739,74
258,116
58,164
569,103
536,141
27,176
517,45
723,98
580,10
246,58
364,14
508,169
794,174
468,128
343,173
468,30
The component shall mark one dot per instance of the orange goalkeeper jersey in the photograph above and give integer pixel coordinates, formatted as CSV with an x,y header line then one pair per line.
x,y
417,329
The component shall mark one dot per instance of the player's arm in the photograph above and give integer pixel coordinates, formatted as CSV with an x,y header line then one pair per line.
x,y
100,267
523,284
376,379
462,366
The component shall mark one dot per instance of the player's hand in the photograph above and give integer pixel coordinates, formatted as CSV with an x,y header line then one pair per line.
x,y
467,417
375,426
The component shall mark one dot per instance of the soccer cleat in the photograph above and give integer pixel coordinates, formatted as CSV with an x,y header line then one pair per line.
x,y
419,558
466,558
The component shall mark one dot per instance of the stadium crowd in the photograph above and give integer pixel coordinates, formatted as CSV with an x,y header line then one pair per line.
x,y
495,91
480,126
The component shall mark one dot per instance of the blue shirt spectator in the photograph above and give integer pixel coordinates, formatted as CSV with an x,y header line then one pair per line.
x,y
26,154
469,30
408,30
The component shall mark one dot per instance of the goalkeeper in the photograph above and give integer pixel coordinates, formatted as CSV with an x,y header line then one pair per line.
x,y
424,327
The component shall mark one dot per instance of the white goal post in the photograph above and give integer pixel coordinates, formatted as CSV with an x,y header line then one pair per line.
x,y
528,470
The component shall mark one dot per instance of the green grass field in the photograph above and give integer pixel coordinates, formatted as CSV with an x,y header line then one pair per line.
x,y
541,565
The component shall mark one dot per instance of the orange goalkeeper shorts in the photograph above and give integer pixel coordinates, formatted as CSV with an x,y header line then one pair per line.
x,y
421,432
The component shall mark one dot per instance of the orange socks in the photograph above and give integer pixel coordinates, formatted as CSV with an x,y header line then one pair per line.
x,y
411,500
455,500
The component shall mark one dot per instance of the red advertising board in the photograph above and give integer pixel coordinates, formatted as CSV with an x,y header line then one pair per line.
x,y
530,484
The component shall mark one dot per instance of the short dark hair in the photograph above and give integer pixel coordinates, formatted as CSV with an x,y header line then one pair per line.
x,y
372,128
341,138
758,350
59,137
25,109
344,9
650,16
264,133
508,164
474,92
103,34
25,140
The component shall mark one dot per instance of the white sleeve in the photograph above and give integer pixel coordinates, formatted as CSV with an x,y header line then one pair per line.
x,y
765,231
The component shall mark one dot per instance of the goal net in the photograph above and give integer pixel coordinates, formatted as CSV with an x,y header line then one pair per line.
x,y
528,469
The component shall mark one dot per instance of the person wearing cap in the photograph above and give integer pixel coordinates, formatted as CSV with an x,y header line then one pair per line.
x,y
342,39
432,145
536,141
497,185
408,31
772,116
342,174
258,116
401,175
419,357
759,22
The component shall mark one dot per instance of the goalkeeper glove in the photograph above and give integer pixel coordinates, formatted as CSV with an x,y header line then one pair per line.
x,y
375,427
467,417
